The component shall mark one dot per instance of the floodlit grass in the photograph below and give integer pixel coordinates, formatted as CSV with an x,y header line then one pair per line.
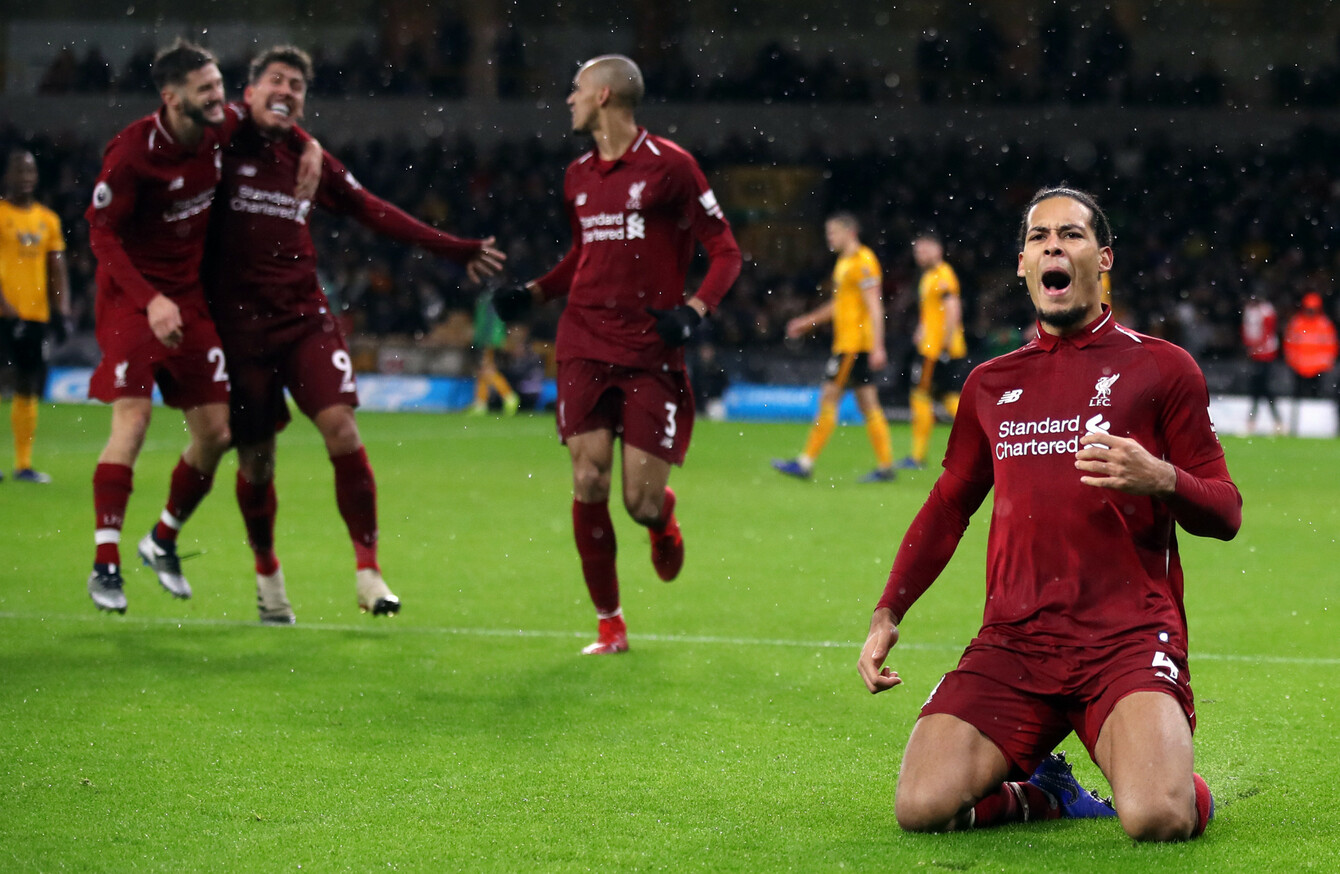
x,y
467,734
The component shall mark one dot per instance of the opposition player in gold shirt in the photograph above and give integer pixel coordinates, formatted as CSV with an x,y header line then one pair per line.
x,y
33,287
940,342
857,314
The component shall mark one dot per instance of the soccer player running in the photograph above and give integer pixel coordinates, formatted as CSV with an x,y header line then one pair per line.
x,y
33,294
147,227
276,325
636,203
939,339
857,314
1096,440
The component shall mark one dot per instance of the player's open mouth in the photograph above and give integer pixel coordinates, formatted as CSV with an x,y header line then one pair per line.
x,y
1055,282
280,109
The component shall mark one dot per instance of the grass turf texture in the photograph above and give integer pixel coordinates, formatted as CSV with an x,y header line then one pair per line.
x,y
468,734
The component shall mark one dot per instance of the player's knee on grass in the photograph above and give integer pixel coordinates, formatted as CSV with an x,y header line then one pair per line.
x,y
1158,817
927,810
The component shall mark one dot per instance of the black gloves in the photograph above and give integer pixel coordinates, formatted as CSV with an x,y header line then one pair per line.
x,y
512,302
675,325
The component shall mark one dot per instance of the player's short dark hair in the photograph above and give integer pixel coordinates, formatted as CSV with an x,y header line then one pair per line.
x,y
847,218
173,64
290,56
928,234
1097,218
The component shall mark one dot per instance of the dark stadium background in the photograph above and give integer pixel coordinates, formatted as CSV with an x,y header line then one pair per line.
x,y
1210,129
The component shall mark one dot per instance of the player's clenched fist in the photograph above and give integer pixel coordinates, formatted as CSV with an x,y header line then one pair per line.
x,y
675,326
512,302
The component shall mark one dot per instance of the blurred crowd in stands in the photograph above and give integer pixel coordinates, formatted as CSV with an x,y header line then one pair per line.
x,y
1198,229
1071,58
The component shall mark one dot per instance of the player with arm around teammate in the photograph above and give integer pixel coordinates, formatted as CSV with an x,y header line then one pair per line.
x,y
147,226
636,203
1097,441
276,325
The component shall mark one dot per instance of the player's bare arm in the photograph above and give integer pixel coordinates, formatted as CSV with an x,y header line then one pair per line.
x,y
487,263
1122,464
59,285
874,304
165,320
802,325
953,307
883,635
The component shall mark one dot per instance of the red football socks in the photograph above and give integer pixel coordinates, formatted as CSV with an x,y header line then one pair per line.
x,y
112,485
189,487
667,512
594,532
1014,802
259,506
356,496
1204,805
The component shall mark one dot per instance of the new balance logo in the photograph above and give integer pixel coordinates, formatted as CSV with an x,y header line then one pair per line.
x,y
121,373
1010,396
580,199
636,227
177,184
246,170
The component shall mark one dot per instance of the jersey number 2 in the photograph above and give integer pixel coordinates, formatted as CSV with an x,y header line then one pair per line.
x,y
215,356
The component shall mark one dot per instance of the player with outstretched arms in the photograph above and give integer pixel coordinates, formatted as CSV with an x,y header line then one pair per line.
x,y
147,226
637,203
277,327
1098,443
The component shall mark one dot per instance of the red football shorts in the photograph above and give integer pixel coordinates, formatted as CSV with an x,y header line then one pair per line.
x,y
133,359
651,410
307,355
1026,702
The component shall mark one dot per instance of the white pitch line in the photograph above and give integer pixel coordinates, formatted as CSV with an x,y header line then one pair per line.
x,y
389,624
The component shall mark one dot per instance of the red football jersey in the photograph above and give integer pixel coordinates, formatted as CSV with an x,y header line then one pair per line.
x,y
1067,563
1260,331
634,221
262,260
150,211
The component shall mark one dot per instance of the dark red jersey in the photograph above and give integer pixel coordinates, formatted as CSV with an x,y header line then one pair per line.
x,y
1067,563
262,260
150,211
634,223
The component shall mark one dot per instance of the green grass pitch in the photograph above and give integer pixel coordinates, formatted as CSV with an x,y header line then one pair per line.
x,y
468,734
